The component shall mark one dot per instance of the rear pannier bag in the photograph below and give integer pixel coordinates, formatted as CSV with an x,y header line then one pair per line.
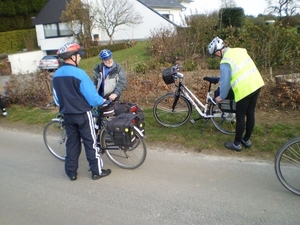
x,y
228,104
121,129
139,122
167,76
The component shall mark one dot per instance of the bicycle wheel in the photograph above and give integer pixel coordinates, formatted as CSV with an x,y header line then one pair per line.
x,y
223,121
55,138
164,113
124,157
287,165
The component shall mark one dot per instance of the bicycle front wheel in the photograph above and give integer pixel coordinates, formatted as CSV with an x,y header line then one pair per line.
x,y
287,165
223,121
171,110
55,137
124,157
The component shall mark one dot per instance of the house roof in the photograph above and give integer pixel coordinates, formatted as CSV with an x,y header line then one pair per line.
x,y
53,8
150,8
174,4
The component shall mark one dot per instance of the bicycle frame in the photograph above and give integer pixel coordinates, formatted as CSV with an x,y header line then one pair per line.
x,y
194,101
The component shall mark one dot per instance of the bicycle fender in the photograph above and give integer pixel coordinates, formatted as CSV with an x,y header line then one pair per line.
x,y
140,132
56,119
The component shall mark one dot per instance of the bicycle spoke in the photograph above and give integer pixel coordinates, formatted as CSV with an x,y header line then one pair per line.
x,y
287,165
54,138
224,122
125,157
167,116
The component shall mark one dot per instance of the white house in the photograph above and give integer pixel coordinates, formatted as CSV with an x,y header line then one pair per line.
x,y
52,33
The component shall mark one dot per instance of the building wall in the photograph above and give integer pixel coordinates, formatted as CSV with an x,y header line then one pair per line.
x,y
25,62
151,20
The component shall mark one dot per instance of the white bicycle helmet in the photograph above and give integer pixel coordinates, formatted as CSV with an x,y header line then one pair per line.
x,y
215,45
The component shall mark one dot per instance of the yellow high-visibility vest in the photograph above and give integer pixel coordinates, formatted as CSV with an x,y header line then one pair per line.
x,y
245,77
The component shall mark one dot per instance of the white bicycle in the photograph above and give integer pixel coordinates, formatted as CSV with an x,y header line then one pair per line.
x,y
175,109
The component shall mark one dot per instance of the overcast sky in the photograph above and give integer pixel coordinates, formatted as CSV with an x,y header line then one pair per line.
x,y
251,7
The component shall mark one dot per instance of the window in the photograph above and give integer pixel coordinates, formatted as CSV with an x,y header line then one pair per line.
x,y
64,29
168,16
50,30
57,30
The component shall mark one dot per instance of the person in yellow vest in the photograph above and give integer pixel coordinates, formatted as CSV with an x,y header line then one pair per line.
x,y
239,72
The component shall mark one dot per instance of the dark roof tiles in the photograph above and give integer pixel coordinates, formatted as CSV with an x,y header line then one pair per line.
x,y
53,8
163,3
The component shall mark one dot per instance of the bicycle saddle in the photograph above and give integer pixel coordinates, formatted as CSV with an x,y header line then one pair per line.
x,y
213,80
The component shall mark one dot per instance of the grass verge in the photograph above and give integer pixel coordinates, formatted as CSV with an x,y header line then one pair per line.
x,y
268,136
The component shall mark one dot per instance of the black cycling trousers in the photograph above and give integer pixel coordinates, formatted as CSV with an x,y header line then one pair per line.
x,y
2,106
245,110
81,127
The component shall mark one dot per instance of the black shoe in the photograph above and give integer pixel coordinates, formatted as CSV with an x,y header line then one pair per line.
x,y
104,173
74,177
232,146
247,144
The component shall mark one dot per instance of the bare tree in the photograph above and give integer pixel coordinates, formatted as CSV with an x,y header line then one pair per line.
x,y
114,13
228,3
80,17
283,8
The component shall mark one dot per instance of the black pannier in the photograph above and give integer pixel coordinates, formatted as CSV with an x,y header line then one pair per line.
x,y
107,111
121,129
139,122
167,76
228,104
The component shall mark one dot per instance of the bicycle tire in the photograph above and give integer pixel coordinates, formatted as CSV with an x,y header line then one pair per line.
x,y
124,157
55,137
223,121
287,165
164,115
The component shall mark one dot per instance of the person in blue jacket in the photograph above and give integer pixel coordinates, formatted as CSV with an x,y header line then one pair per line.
x,y
75,94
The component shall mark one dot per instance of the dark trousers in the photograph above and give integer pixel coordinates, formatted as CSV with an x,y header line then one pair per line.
x,y
2,106
81,127
245,109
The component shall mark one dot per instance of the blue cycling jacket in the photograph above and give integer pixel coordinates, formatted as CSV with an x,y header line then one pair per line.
x,y
74,91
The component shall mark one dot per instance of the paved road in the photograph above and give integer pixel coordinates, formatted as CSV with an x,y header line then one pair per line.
x,y
169,188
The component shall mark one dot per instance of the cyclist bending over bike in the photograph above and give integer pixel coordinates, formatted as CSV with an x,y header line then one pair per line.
x,y
74,93
238,72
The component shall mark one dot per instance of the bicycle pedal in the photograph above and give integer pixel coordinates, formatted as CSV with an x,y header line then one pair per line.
x,y
192,121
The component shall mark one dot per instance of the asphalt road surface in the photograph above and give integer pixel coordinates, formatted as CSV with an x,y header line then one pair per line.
x,y
169,188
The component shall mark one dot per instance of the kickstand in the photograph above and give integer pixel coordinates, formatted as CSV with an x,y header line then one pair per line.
x,y
206,120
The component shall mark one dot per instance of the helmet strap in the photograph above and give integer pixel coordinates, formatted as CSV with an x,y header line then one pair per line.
x,y
75,61
221,53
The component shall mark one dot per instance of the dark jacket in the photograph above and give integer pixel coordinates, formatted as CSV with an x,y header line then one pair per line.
x,y
73,90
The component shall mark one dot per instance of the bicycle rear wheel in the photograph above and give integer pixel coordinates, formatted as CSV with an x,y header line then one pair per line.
x,y
287,165
170,113
124,157
223,121
55,138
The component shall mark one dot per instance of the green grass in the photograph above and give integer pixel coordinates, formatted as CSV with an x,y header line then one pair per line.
x,y
267,138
